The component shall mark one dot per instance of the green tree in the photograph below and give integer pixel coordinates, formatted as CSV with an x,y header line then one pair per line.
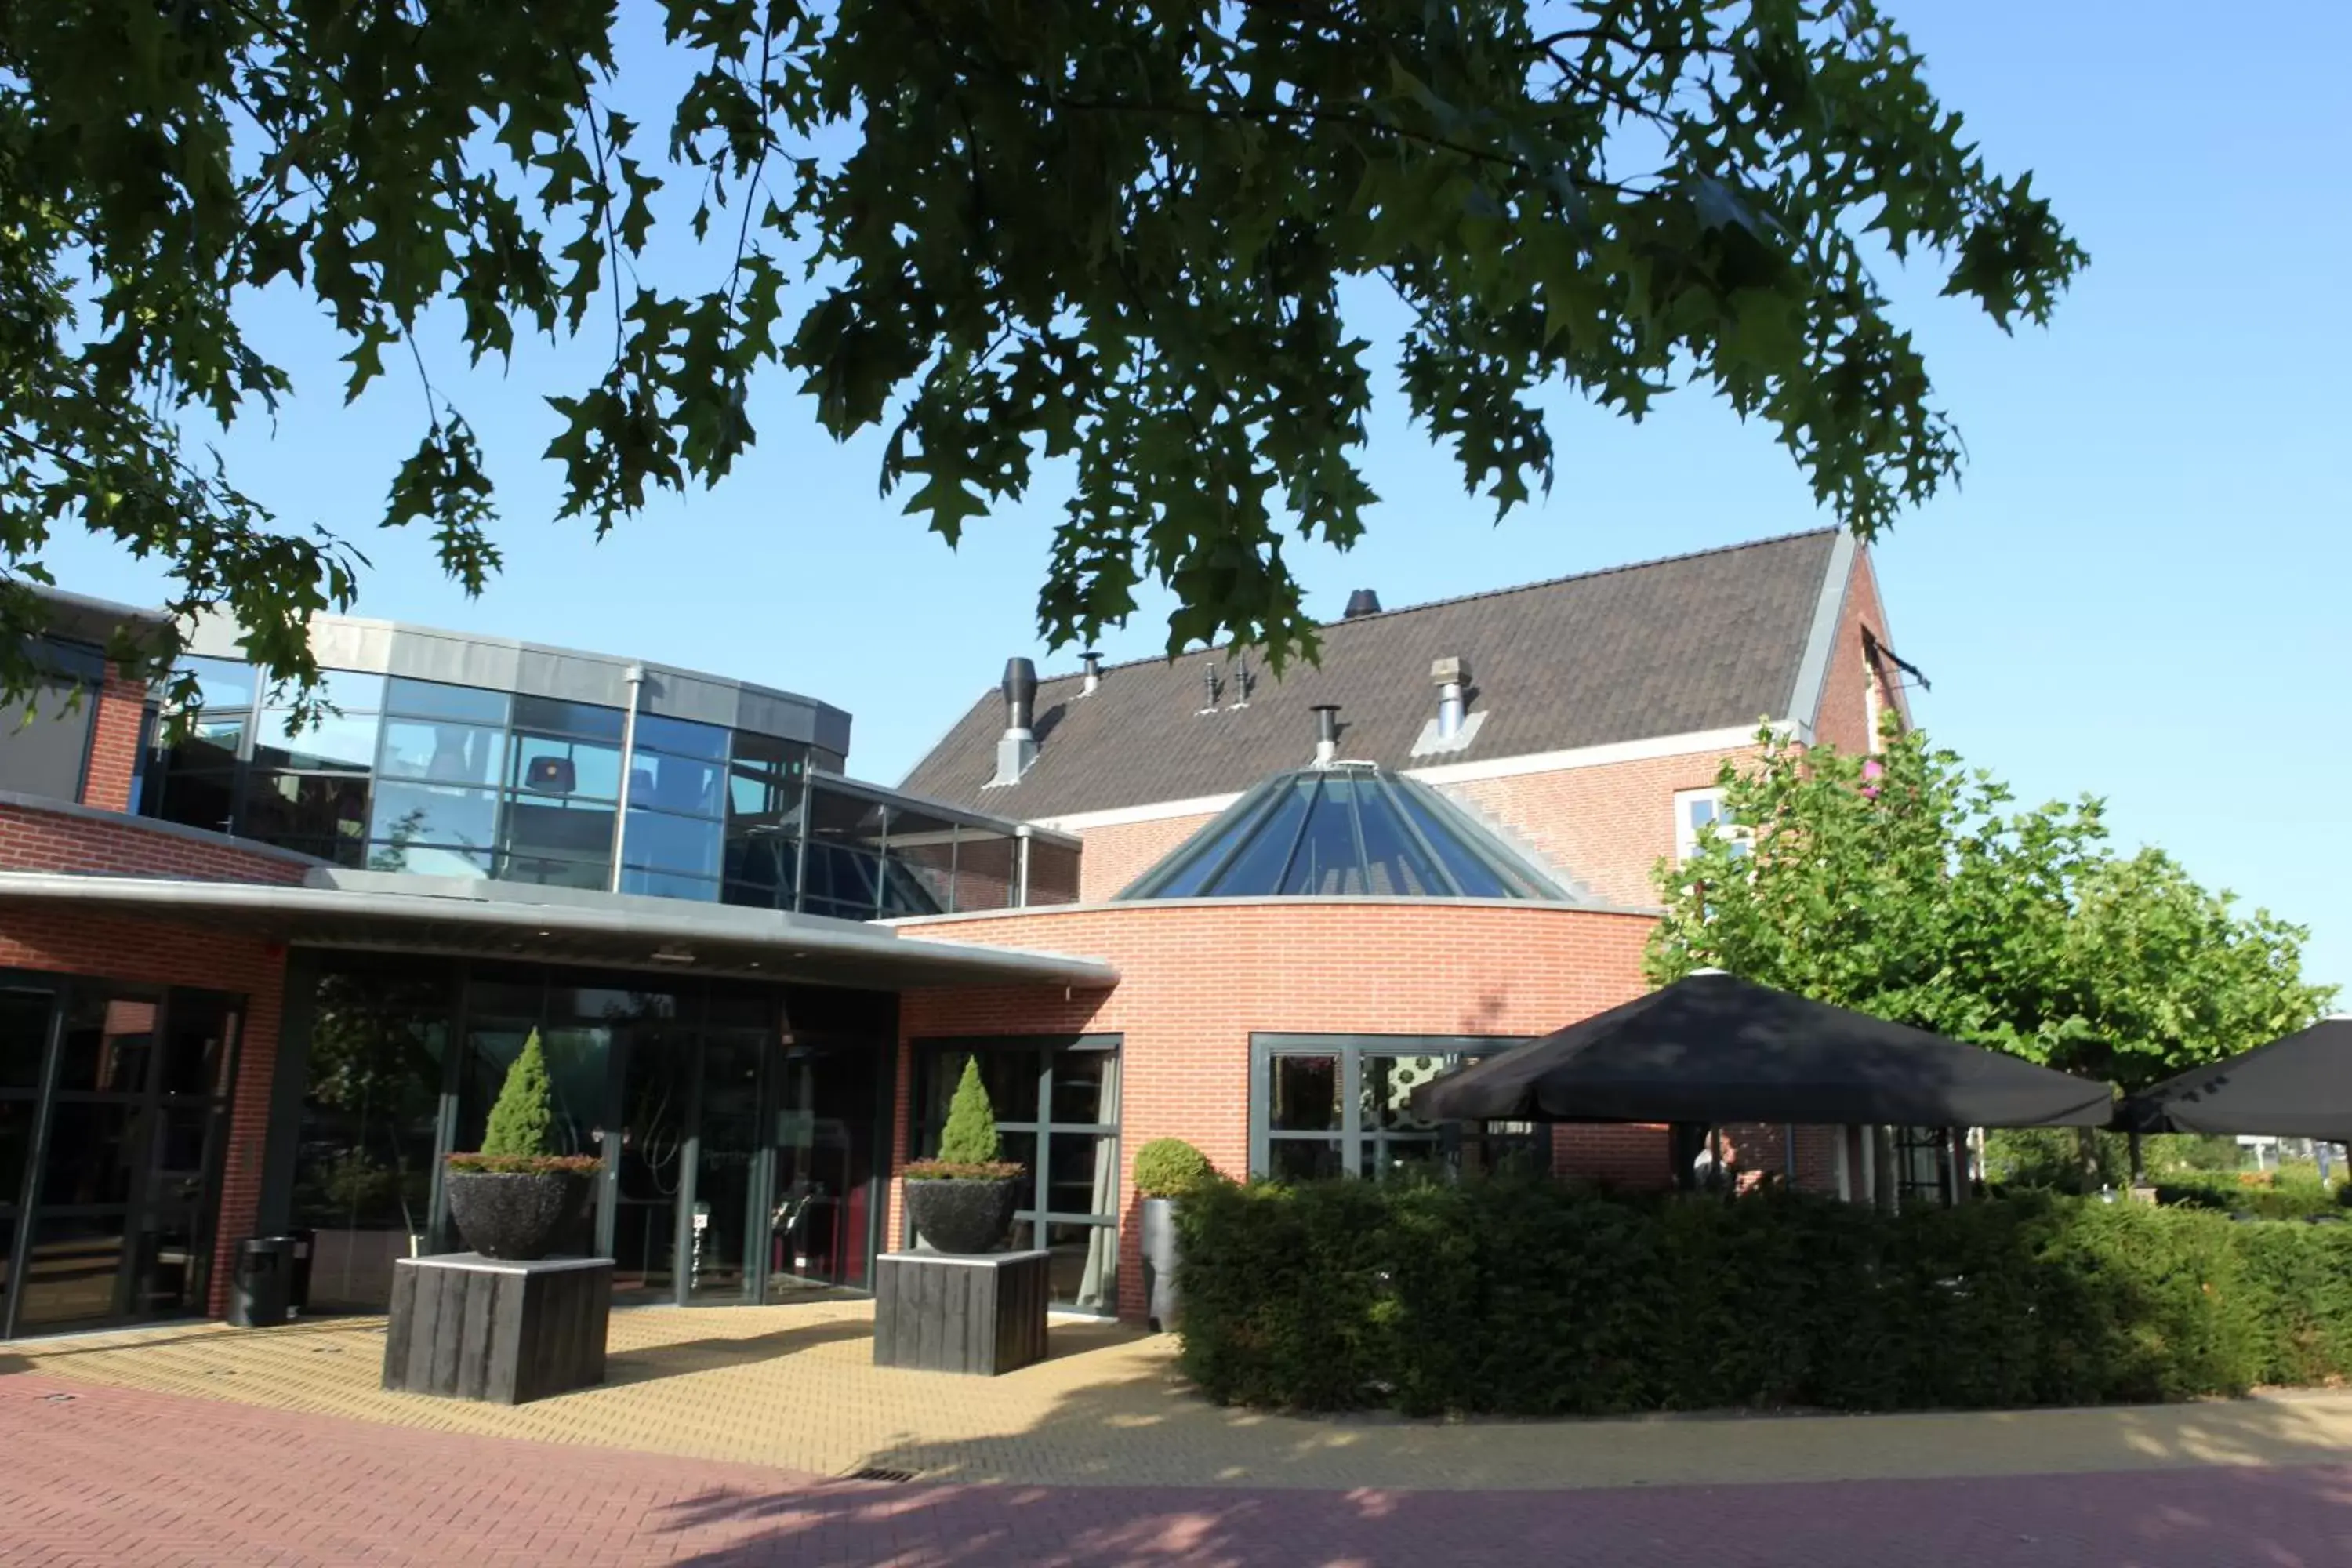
x,y
969,1136
1905,886
523,1120
1004,229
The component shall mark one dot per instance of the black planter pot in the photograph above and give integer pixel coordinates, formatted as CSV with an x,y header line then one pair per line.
x,y
513,1215
963,1216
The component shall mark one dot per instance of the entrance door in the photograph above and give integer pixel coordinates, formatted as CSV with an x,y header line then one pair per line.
x,y
726,1204
825,1171
113,1111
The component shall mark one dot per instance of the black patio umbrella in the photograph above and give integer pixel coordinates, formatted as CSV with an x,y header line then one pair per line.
x,y
2298,1087
1713,1048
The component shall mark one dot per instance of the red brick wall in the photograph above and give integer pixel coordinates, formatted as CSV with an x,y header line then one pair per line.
x,y
114,744
162,953
1198,979
33,840
1605,826
1844,720
1116,855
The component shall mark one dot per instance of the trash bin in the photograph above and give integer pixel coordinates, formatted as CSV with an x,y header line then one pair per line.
x,y
256,1297
297,1280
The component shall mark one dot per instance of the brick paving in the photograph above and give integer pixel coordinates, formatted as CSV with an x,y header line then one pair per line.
x,y
104,1475
794,1387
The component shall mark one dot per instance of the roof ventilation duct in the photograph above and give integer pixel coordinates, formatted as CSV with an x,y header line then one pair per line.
x,y
1326,733
1017,748
1093,682
1362,602
1454,728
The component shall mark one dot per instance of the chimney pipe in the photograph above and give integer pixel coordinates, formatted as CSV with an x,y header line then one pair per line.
x,y
1449,674
1210,686
1326,733
1018,746
1093,662
1362,602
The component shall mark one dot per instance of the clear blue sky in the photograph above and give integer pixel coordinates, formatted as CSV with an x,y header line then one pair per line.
x,y
2139,592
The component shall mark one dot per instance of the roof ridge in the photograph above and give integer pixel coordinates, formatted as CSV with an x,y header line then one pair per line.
x,y
1165,659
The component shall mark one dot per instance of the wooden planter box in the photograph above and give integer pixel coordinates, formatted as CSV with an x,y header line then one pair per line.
x,y
941,1312
468,1327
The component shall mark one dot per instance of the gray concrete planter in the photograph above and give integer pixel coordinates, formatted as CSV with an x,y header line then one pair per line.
x,y
1161,1255
513,1215
966,1217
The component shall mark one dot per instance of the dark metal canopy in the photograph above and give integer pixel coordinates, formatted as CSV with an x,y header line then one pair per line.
x,y
1713,1048
1348,829
2298,1087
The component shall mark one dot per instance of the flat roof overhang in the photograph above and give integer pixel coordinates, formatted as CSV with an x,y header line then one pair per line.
x,y
374,912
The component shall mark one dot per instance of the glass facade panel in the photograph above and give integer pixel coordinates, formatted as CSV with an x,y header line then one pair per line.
x,y
426,778
343,742
1071,1159
986,869
436,699
325,815
682,738
660,842
108,1040
23,1043
223,683
16,1113
74,1270
1345,1109
1053,873
1329,859
557,717
1305,1093
441,753
556,765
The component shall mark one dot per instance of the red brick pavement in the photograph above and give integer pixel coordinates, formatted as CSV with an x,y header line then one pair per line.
x,y
95,1475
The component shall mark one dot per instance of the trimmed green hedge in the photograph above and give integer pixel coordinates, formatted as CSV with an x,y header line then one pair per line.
x,y
2277,1198
1526,1297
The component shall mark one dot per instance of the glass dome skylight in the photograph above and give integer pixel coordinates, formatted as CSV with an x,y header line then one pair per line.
x,y
1348,828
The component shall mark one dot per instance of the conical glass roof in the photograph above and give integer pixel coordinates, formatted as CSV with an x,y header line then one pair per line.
x,y
1350,828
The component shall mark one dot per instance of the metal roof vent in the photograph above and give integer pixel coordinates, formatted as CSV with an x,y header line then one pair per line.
x,y
1326,733
1017,748
1454,728
1362,602
1093,682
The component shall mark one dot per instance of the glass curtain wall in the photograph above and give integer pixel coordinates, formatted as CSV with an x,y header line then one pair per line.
x,y
720,1110
1340,1106
1057,1104
113,1118
431,779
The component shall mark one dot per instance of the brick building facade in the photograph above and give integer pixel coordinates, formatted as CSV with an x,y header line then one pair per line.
x,y
1582,721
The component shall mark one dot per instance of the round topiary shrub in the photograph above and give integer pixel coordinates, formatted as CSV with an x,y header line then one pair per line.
x,y
1170,1168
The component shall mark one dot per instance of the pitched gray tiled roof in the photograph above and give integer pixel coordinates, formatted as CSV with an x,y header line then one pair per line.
x,y
1696,642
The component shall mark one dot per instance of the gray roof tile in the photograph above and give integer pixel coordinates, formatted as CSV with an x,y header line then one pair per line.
x,y
1696,642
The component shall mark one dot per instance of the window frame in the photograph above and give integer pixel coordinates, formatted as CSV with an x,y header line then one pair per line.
x,y
1356,1140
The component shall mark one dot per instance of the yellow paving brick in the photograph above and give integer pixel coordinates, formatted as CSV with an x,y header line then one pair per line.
x,y
795,1386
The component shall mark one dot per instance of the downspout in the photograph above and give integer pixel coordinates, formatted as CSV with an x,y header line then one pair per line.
x,y
636,677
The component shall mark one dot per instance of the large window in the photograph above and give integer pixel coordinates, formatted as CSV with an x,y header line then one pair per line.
x,y
1057,1104
1323,1106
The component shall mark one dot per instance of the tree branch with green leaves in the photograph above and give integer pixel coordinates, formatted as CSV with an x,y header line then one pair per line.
x,y
1003,232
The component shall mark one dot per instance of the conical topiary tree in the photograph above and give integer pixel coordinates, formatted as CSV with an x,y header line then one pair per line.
x,y
523,1120
970,1137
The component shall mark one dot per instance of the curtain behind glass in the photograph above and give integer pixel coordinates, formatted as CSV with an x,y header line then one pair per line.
x,y
1094,1284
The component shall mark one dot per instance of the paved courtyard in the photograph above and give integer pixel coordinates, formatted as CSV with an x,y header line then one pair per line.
x,y
734,1437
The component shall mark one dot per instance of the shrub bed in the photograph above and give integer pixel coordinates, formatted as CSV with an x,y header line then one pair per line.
x,y
2262,1194
1527,1297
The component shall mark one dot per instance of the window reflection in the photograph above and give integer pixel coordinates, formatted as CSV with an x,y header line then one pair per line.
x,y
430,779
